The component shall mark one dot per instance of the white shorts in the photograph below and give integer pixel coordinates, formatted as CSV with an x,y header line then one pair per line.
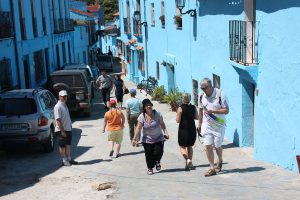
x,y
214,139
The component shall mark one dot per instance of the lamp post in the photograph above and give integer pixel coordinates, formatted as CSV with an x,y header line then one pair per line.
x,y
180,4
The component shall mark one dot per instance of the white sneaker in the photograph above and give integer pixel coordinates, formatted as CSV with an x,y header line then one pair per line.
x,y
66,163
189,163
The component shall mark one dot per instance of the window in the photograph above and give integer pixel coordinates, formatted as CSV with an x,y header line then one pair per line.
x,y
5,75
157,70
34,22
152,15
64,53
216,81
17,106
43,17
39,66
162,16
178,19
22,19
141,61
57,57
69,50
137,26
128,18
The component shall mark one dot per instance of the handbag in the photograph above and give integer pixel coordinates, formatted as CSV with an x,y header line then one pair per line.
x,y
126,91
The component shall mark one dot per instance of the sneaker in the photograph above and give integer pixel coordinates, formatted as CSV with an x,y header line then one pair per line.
x,y
158,166
66,163
219,166
210,172
150,171
111,153
73,162
189,163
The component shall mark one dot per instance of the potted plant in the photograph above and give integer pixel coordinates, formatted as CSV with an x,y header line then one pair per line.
x,y
173,99
162,19
178,20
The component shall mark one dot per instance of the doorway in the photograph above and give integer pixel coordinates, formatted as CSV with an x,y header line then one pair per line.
x,y
248,113
26,71
170,76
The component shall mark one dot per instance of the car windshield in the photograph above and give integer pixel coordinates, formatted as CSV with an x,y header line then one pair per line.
x,y
17,106
67,79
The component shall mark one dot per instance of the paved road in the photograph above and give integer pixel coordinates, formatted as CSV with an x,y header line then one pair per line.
x,y
30,174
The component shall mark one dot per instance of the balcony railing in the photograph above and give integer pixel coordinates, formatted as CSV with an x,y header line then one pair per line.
x,y
243,41
6,25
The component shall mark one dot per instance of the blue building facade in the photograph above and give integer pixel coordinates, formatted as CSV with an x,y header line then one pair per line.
x,y
36,39
247,47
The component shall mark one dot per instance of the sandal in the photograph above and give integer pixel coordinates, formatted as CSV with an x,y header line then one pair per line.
x,y
150,171
219,166
158,166
210,172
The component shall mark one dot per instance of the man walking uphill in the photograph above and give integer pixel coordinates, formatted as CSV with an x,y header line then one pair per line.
x,y
213,108
64,129
105,84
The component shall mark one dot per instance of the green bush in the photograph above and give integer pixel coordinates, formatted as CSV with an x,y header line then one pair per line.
x,y
159,93
173,99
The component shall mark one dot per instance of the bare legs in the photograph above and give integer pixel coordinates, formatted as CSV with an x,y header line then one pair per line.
x,y
187,153
210,155
115,147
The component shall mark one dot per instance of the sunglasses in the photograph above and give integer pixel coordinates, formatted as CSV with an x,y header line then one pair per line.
x,y
204,88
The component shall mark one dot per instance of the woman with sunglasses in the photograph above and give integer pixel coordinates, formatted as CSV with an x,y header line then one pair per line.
x,y
151,123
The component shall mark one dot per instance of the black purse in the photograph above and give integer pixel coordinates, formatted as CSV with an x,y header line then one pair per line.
x,y
126,91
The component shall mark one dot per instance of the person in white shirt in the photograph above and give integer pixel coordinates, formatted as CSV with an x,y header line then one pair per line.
x,y
63,128
213,108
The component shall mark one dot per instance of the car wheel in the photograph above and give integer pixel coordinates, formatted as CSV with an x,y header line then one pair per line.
x,y
60,86
49,145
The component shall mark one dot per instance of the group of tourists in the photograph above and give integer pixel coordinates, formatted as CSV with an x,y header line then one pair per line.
x,y
147,127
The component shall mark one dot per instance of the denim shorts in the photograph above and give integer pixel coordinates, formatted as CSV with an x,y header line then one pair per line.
x,y
64,141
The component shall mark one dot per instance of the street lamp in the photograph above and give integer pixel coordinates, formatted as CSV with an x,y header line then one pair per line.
x,y
137,17
180,4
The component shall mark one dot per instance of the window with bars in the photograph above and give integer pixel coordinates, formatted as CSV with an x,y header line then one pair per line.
x,y
5,75
141,64
162,16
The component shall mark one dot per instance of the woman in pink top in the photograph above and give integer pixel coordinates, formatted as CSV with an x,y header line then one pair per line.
x,y
115,119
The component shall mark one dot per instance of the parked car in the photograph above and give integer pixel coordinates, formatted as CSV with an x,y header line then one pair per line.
x,y
26,116
78,87
105,62
88,71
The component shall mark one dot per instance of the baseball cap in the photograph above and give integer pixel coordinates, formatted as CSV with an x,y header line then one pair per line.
x,y
63,93
132,91
146,102
112,102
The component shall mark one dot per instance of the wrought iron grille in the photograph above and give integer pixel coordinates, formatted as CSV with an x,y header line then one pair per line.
x,y
126,25
6,25
5,75
243,41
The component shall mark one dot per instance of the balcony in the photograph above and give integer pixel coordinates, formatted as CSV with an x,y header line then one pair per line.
x,y
6,25
243,42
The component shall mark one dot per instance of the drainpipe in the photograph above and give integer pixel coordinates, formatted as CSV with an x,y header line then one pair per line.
x,y
15,44
146,41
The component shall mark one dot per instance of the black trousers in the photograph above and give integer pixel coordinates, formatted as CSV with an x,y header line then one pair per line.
x,y
105,95
153,153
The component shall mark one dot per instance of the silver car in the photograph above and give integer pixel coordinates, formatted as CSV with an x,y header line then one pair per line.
x,y
26,116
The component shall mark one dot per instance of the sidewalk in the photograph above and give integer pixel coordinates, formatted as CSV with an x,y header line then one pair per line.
x,y
242,177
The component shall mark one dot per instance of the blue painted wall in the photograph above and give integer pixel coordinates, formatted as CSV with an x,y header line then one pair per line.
x,y
263,98
81,44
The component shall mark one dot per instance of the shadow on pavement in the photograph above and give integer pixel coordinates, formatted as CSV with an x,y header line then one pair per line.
x,y
227,146
24,166
173,170
90,162
245,170
132,153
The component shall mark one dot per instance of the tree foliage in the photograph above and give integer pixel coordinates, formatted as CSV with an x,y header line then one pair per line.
x,y
110,7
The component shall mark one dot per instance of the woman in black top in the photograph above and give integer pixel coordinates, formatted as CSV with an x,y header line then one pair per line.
x,y
119,88
185,116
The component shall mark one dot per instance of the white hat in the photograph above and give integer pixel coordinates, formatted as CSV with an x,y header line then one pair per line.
x,y
63,93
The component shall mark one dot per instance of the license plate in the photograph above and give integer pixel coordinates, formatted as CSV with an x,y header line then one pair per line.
x,y
10,127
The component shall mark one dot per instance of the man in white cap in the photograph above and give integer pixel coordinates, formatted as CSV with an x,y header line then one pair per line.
x,y
64,128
